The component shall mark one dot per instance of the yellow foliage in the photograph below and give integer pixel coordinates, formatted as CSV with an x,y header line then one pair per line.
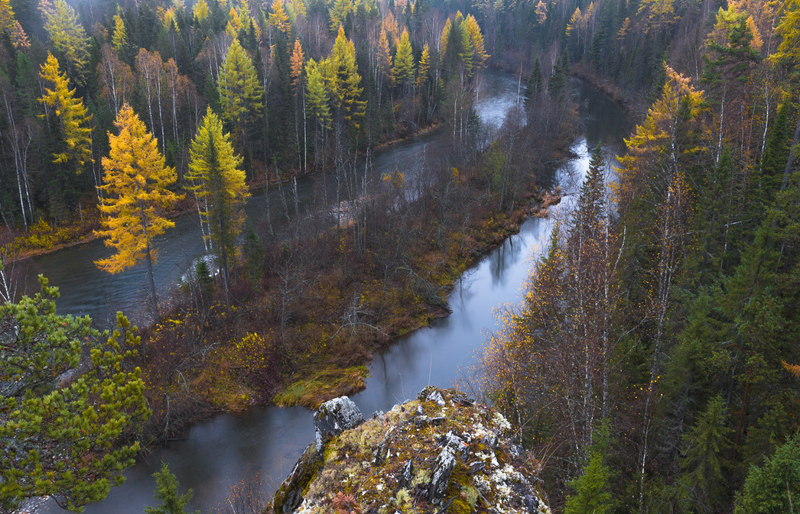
x,y
278,17
72,114
794,369
201,10
135,184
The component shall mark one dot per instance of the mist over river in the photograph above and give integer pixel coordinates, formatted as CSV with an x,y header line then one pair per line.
x,y
266,441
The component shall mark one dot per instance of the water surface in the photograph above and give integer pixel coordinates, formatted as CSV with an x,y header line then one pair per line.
x,y
266,442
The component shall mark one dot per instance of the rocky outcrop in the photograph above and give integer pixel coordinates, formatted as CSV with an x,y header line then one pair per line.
x,y
438,453
334,417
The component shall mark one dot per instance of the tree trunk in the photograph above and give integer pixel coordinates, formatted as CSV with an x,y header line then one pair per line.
x,y
154,299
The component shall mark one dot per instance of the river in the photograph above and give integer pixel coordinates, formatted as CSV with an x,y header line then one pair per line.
x,y
265,442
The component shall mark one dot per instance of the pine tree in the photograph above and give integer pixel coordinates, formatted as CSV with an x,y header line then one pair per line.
x,y
167,493
317,93
234,24
19,38
201,10
424,66
476,39
788,54
240,92
66,439
298,8
344,82
385,60
296,64
444,38
135,184
463,41
295,73
220,186
339,12
69,38
71,113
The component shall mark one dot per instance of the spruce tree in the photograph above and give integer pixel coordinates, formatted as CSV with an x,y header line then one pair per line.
x,y
534,84
773,488
167,493
591,488
705,460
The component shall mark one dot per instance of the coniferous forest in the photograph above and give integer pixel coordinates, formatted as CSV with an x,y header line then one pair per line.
x,y
653,363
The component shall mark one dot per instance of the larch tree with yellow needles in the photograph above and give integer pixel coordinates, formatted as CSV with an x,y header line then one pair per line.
x,y
219,183
73,119
135,184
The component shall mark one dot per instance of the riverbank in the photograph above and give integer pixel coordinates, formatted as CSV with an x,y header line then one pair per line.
x,y
303,323
43,239
219,359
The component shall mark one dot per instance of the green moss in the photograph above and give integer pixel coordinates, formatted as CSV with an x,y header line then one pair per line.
x,y
422,476
470,495
404,500
306,475
459,507
330,454
324,385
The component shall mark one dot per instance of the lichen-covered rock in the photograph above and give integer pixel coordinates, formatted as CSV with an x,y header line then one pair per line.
x,y
445,464
290,493
462,462
334,417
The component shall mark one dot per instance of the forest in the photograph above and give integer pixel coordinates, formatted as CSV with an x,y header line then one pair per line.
x,y
652,365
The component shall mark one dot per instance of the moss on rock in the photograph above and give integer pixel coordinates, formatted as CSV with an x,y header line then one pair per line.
x,y
368,462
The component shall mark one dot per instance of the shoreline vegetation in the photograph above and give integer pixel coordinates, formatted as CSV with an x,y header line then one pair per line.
x,y
211,355
44,239
314,382
306,313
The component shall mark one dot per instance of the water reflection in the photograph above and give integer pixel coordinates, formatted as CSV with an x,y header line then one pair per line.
x,y
228,449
